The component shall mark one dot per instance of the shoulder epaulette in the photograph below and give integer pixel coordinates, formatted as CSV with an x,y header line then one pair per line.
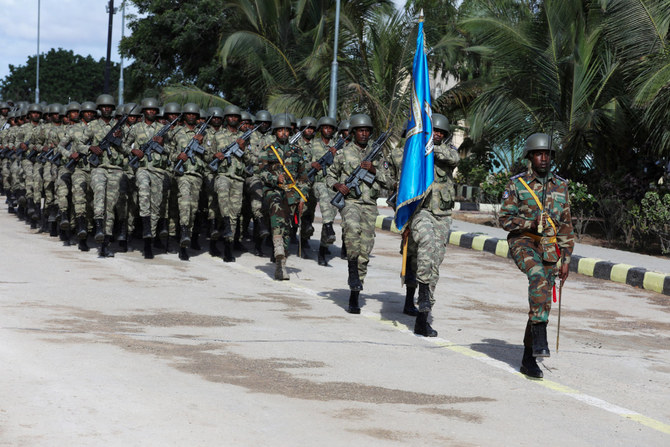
x,y
518,176
560,178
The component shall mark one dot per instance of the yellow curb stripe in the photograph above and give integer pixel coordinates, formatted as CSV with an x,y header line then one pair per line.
x,y
649,422
502,249
587,265
654,281
619,272
478,242
379,221
455,237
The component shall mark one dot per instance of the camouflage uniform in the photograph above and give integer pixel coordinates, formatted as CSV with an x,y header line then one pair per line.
x,y
79,180
536,254
429,227
152,178
359,214
281,201
306,229
253,185
108,179
229,180
321,190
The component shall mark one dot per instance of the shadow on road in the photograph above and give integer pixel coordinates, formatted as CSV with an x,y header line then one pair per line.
x,y
500,350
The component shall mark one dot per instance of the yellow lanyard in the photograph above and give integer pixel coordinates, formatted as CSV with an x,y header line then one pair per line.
x,y
523,182
292,185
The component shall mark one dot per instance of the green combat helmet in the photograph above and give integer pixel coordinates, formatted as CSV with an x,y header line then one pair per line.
x,y
150,103
105,100
537,142
245,116
73,106
172,107
35,108
231,110
360,120
87,106
307,121
343,126
216,112
190,107
326,121
281,121
440,122
263,116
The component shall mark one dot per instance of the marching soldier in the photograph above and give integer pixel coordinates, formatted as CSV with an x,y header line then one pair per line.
x,y
536,212
283,170
429,230
359,213
305,143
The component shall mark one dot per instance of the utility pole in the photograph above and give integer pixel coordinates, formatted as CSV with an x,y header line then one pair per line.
x,y
332,105
111,11
37,77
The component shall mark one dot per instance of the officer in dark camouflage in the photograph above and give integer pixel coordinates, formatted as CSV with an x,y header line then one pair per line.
x,y
536,212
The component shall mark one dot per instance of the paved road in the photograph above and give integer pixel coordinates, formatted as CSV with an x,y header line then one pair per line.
x,y
127,352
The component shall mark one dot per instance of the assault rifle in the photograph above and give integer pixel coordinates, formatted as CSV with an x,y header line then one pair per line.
x,y
109,139
294,139
362,175
152,146
192,148
44,156
232,149
56,156
326,160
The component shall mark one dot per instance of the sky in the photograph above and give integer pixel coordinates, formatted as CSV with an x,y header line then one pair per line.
x,y
77,25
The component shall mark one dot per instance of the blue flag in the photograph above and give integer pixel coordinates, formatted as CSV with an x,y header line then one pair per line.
x,y
417,172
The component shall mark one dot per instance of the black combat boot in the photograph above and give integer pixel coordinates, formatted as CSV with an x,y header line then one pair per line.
x,y
343,251
82,227
64,223
228,251
30,209
421,326
185,240
213,249
159,244
99,231
529,365
236,244
260,229
258,246
53,221
354,280
329,232
353,307
226,230
322,256
65,237
148,250
183,253
214,232
104,251
409,308
424,298
146,227
539,336
163,228
83,245
122,238
44,221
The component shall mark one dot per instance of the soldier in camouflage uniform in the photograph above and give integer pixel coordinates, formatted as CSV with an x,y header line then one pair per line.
x,y
359,213
536,212
63,182
189,185
28,141
7,179
429,230
171,110
305,143
152,177
283,171
108,180
74,148
229,180
127,207
326,127
53,134
253,186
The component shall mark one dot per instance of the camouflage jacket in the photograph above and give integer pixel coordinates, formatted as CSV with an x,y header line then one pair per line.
x,y
346,161
143,132
75,140
257,143
181,139
236,168
270,167
440,199
319,148
519,211
95,132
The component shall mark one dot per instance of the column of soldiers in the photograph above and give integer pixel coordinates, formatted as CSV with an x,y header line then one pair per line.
x,y
164,174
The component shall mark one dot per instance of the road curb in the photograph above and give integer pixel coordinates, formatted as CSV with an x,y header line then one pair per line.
x,y
596,268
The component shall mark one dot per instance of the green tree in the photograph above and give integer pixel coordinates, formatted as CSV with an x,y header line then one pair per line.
x,y
64,76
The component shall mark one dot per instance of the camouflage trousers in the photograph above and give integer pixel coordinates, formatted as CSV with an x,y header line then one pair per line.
x,y
6,175
152,187
17,175
324,195
63,186
188,197
280,213
108,185
307,218
541,276
127,207
426,247
211,199
27,167
229,195
358,223
82,194
49,174
253,192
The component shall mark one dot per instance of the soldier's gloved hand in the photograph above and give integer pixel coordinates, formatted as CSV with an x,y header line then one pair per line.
x,y
219,155
74,155
316,165
241,143
138,153
341,187
367,165
159,140
199,138
182,156
96,150
332,150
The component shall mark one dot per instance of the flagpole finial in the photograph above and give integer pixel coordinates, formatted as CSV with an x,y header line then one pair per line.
x,y
421,15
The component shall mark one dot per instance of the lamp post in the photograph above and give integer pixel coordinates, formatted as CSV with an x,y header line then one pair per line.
x,y
332,105
111,11
37,76
123,26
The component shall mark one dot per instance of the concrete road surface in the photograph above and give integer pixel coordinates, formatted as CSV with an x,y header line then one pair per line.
x,y
129,352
